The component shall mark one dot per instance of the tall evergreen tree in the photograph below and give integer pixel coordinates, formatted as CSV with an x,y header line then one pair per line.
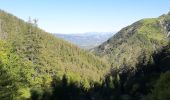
x,y
8,87
32,42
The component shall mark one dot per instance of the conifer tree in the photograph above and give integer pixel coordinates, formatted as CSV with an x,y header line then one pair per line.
x,y
7,85
32,42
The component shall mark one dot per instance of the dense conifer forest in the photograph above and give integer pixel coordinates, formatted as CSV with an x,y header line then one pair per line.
x,y
134,64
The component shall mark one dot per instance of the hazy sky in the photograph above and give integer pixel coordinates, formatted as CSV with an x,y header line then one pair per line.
x,y
78,16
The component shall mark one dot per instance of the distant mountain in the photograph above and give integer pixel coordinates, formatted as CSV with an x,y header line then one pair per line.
x,y
86,40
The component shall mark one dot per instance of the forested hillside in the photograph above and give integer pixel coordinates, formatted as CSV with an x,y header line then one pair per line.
x,y
31,58
149,82
139,55
134,64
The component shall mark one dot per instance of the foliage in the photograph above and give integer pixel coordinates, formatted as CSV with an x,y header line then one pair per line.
x,y
30,57
35,65
162,88
138,54
142,38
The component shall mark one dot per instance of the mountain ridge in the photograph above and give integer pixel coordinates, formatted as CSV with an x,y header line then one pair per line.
x,y
132,65
139,58
144,34
86,40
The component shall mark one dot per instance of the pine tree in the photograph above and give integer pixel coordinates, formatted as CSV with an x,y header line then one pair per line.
x,y
32,42
8,87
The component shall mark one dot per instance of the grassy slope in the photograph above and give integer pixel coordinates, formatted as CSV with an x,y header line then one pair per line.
x,y
142,38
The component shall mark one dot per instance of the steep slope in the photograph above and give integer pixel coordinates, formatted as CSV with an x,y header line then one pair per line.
x,y
139,56
136,43
149,82
31,57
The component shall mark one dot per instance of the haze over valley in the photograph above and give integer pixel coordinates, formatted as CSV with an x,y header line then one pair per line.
x,y
87,40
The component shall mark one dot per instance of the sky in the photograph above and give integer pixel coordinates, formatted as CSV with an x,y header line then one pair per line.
x,y
79,16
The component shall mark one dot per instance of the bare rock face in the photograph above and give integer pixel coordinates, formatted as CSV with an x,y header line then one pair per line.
x,y
166,25
168,35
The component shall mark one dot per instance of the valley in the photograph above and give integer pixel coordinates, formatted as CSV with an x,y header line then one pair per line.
x,y
132,64
87,40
